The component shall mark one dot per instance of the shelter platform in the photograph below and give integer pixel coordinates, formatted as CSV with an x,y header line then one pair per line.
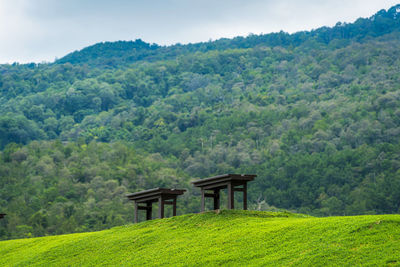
x,y
164,196
233,182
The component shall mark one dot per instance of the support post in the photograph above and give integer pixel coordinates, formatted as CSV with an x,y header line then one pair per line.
x,y
245,196
216,199
174,207
160,208
149,210
136,212
202,200
231,197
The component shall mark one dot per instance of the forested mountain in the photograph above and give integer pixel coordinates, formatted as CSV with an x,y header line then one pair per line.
x,y
116,54
316,115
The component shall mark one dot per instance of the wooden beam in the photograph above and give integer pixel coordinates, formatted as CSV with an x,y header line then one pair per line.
x,y
160,208
202,200
245,196
174,207
136,212
216,185
231,197
147,199
154,193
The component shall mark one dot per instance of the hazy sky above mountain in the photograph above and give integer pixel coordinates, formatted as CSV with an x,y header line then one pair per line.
x,y
40,30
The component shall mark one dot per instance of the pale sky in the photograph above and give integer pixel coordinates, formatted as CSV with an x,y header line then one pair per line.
x,y
41,30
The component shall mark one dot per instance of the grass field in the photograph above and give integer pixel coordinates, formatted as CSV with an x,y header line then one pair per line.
x,y
221,238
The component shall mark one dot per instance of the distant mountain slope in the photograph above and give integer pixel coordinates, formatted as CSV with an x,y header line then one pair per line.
x,y
108,52
226,238
113,54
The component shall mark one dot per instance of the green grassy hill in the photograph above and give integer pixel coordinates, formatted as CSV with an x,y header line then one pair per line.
x,y
227,238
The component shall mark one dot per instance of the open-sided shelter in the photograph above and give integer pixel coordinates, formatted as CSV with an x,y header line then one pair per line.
x,y
164,196
233,182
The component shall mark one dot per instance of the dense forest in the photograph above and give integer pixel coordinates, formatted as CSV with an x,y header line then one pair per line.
x,y
316,115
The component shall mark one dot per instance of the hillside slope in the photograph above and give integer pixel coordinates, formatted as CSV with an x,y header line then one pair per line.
x,y
227,237
120,53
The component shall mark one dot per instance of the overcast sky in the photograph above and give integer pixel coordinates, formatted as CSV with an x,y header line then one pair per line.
x,y
41,30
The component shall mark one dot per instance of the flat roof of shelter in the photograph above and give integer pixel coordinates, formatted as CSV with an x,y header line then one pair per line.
x,y
155,193
224,178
